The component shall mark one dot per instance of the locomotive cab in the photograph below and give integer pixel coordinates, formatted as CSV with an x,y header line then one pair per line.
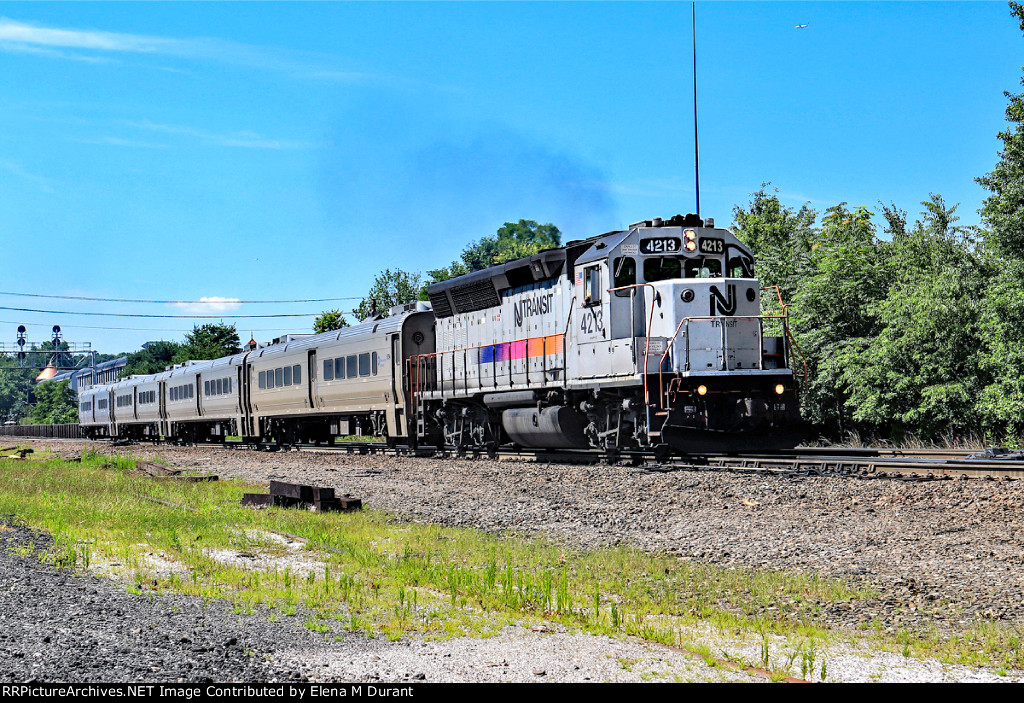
x,y
682,309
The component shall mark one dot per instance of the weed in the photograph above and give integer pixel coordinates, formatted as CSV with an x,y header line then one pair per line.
x,y
373,574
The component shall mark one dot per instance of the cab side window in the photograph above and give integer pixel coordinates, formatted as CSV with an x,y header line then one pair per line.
x,y
592,285
624,272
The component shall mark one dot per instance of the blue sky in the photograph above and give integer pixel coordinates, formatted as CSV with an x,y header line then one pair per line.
x,y
255,151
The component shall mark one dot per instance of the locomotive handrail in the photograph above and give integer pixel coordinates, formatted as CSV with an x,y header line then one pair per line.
x,y
791,338
686,321
417,364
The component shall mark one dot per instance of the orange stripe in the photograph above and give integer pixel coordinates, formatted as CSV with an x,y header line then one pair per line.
x,y
553,344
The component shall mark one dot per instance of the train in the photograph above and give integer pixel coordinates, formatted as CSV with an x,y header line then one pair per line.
x,y
650,338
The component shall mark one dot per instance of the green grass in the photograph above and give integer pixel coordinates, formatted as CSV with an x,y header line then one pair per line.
x,y
368,572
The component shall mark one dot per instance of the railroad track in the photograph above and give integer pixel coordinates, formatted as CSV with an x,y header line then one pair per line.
x,y
863,462
856,462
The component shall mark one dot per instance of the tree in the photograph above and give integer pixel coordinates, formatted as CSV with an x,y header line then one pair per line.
x,y
55,403
210,341
1003,316
152,359
831,309
779,237
1003,211
921,373
16,387
329,320
513,240
390,288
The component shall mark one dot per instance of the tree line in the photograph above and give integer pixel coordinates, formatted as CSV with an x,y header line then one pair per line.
x,y
917,330
24,401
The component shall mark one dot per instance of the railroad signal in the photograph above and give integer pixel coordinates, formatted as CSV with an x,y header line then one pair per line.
x,y
65,355
21,345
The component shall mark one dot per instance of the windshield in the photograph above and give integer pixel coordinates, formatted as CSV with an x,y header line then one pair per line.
x,y
666,267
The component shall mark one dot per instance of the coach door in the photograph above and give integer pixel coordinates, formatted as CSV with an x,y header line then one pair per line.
x,y
245,398
396,401
311,377
161,425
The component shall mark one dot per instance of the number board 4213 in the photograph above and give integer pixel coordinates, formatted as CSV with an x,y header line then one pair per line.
x,y
710,245
661,245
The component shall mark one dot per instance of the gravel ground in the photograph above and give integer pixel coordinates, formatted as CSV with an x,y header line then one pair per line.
x,y
942,554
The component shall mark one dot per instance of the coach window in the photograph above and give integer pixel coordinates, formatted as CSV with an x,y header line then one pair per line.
x,y
351,367
297,374
328,369
339,368
364,364
278,378
624,269
287,375
270,379
592,285
206,388
373,363
263,379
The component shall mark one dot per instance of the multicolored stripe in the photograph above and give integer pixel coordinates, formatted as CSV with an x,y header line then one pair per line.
x,y
532,348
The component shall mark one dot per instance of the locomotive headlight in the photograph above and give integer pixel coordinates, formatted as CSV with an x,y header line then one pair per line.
x,y
690,235
691,245
702,390
780,389
687,295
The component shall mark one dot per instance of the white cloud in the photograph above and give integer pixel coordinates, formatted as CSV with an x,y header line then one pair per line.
x,y
115,141
98,46
19,33
211,305
16,169
245,139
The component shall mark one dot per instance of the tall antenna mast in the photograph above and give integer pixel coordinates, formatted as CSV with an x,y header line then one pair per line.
x,y
696,150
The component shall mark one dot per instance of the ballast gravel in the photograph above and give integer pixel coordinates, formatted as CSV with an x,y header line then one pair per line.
x,y
943,554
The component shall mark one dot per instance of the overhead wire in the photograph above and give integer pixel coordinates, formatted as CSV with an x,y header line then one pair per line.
x,y
179,302
139,314
135,329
